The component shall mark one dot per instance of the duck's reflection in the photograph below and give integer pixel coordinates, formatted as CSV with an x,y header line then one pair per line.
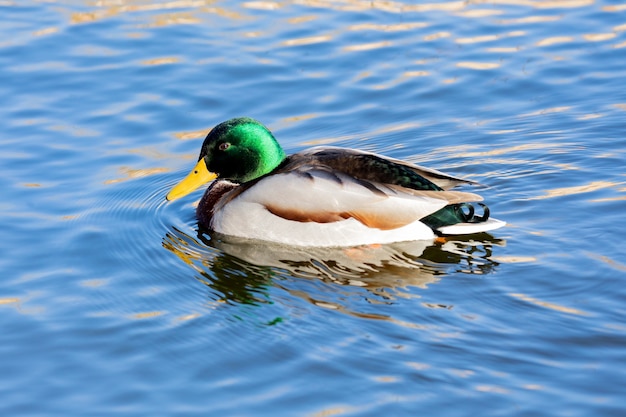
x,y
242,271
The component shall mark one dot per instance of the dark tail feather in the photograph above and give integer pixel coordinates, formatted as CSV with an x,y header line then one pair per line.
x,y
456,213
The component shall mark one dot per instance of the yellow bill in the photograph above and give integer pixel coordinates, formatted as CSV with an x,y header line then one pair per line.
x,y
198,176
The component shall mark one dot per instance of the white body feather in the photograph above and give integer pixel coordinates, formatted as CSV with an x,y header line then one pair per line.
x,y
252,213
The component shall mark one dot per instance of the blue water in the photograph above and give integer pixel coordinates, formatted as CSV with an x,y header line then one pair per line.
x,y
110,301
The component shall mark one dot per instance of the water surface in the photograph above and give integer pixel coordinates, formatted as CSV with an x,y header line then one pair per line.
x,y
111,302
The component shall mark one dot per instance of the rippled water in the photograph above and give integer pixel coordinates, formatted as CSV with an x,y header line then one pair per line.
x,y
110,301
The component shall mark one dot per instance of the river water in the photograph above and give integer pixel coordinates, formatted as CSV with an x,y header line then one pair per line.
x,y
111,302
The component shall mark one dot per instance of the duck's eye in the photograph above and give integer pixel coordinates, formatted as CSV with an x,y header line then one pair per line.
x,y
223,146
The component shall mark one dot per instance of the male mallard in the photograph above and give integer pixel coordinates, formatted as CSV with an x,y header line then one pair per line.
x,y
324,196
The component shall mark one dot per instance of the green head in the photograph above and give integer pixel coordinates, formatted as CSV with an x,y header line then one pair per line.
x,y
239,150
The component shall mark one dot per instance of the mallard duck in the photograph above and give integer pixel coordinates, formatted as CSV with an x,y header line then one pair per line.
x,y
324,196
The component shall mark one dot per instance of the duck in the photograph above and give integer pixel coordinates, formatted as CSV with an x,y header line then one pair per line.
x,y
324,196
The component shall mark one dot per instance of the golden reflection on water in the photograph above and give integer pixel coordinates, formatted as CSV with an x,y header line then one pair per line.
x,y
18,304
598,37
188,317
174,19
437,35
146,315
563,4
577,189
46,31
367,46
529,19
541,112
608,199
477,39
130,173
307,40
93,283
192,134
616,8
262,5
301,19
492,388
161,61
334,411
388,28
611,262
549,305
514,259
478,65
298,118
553,40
